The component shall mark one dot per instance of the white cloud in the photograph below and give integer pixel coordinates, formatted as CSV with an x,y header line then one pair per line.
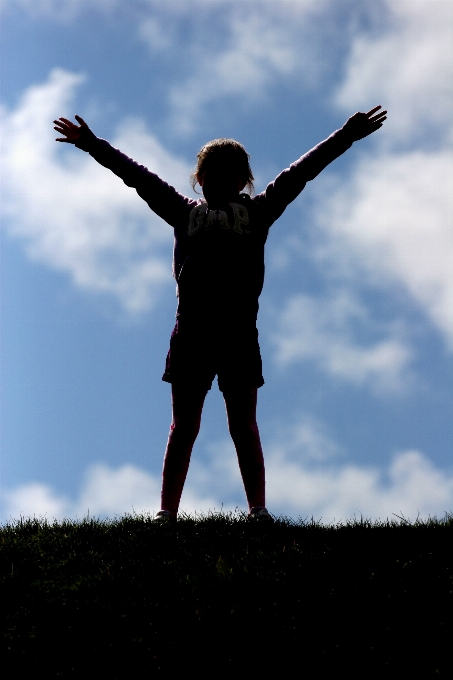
x,y
393,218
256,48
158,35
106,492
109,492
298,485
305,440
411,486
31,500
321,330
75,215
408,68
307,476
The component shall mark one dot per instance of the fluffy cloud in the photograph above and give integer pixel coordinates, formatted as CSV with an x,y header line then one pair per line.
x,y
296,487
34,499
256,47
106,492
406,66
75,215
411,486
390,218
394,216
321,330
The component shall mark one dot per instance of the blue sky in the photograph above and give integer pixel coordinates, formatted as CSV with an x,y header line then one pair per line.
x,y
356,323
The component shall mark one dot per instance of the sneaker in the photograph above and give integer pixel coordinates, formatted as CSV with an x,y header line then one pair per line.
x,y
164,517
258,514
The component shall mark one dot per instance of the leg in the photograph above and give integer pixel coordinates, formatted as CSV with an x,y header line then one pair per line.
x,y
241,413
187,405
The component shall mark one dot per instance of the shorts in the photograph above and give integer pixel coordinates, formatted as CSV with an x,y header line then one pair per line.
x,y
197,355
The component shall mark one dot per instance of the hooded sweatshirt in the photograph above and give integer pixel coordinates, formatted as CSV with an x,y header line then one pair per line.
x,y
218,255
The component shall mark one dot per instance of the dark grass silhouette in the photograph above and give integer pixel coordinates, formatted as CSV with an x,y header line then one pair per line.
x,y
216,595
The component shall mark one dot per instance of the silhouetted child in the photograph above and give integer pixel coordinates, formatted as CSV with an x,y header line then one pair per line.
x,y
218,264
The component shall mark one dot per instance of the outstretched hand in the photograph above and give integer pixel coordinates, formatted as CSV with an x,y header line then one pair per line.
x,y
71,131
361,125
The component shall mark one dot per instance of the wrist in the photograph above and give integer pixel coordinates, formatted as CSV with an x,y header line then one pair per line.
x,y
86,140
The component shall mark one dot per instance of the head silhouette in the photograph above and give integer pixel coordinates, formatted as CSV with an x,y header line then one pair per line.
x,y
223,169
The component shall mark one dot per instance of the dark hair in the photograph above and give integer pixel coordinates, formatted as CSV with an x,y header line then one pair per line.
x,y
229,153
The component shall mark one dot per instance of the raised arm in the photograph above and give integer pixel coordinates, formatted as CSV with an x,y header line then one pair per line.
x,y
288,185
357,127
161,197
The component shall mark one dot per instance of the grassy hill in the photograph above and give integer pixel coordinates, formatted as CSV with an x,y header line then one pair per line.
x,y
217,595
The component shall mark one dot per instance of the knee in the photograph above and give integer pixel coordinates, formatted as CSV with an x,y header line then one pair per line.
x,y
185,427
243,429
